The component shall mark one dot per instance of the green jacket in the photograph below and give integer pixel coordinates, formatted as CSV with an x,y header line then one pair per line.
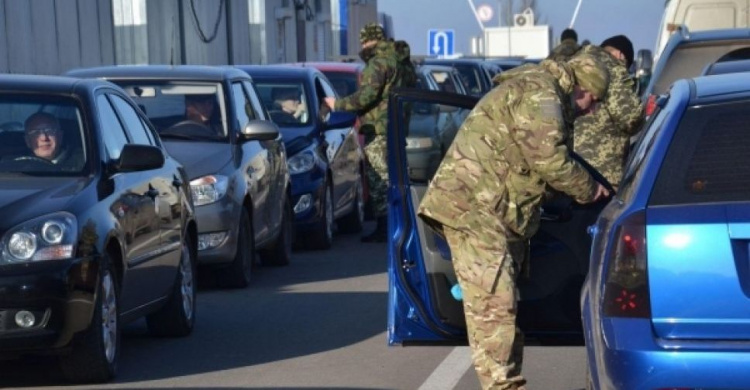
x,y
602,137
385,70
510,147
564,51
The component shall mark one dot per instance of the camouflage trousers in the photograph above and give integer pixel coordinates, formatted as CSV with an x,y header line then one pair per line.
x,y
487,264
377,175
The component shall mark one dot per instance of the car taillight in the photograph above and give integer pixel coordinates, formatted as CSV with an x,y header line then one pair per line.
x,y
650,105
626,292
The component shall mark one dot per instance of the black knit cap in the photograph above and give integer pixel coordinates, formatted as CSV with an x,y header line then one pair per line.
x,y
623,44
569,33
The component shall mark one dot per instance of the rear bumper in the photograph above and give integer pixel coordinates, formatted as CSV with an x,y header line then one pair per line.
x,y
624,354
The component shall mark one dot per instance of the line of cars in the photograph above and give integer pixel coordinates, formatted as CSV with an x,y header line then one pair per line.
x,y
178,167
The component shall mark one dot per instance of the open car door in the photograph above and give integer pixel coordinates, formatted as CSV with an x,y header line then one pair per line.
x,y
421,308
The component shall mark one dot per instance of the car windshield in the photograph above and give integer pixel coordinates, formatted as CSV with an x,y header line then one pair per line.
x,y
345,83
41,135
190,111
286,102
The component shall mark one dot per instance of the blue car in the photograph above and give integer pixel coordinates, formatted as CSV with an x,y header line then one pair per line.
x,y
667,300
325,160
421,306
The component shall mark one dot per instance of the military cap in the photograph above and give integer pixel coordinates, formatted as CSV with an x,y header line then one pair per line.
x,y
371,32
590,74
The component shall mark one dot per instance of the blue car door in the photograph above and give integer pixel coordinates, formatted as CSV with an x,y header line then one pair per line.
x,y
421,307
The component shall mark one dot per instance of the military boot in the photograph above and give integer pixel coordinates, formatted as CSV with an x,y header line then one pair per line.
x,y
380,234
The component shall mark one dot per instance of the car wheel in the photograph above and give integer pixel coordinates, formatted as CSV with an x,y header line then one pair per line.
x,y
177,317
322,236
280,252
354,221
237,274
94,352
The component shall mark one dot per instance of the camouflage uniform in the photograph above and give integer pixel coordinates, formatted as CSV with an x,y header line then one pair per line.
x,y
385,69
602,137
564,51
486,197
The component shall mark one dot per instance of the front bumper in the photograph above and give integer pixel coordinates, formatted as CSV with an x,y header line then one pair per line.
x,y
218,217
308,218
61,296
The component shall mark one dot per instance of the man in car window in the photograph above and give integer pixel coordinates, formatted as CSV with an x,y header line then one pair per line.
x,y
568,46
287,106
387,66
602,136
486,195
202,109
45,139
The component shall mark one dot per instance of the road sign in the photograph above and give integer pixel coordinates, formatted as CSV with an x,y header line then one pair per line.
x,y
484,12
440,42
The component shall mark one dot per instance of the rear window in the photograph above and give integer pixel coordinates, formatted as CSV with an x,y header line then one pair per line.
x,y
689,60
707,160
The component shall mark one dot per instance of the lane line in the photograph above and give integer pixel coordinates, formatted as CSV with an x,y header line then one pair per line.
x,y
447,375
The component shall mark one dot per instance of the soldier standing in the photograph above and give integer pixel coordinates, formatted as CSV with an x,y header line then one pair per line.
x,y
486,196
602,136
568,46
386,68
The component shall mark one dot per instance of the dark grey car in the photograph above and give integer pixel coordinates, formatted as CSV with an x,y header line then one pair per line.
x,y
234,158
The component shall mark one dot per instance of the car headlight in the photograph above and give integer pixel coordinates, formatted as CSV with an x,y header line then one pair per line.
x,y
419,143
50,237
301,162
208,189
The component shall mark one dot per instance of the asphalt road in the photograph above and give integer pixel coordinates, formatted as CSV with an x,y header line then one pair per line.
x,y
316,324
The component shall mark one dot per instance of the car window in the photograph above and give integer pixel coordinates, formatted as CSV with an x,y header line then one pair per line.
x,y
327,88
41,135
345,83
634,166
443,80
114,137
470,78
138,133
707,160
256,111
181,109
242,106
286,101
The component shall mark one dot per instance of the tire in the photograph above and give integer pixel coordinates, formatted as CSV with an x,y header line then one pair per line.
x,y
237,274
354,221
177,317
94,352
280,252
322,235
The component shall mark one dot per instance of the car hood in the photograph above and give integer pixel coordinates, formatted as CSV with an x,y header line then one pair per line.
x,y
297,138
200,158
22,199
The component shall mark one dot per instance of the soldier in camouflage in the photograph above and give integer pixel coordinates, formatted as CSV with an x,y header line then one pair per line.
x,y
568,46
486,195
603,135
388,66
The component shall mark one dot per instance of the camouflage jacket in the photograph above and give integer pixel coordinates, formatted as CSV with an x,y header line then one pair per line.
x,y
385,70
511,145
566,49
602,137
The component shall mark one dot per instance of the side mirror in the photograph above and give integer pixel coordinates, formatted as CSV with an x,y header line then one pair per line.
x,y
644,62
340,120
259,130
134,158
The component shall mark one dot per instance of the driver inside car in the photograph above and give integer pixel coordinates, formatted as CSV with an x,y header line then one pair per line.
x,y
201,109
45,139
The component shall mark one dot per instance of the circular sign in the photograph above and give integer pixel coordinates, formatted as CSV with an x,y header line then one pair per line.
x,y
484,12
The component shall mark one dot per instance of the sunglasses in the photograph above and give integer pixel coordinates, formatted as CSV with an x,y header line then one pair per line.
x,y
47,131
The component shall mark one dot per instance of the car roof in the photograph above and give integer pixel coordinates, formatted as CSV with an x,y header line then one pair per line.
x,y
47,84
729,86
350,67
725,67
467,61
181,72
446,68
685,35
277,71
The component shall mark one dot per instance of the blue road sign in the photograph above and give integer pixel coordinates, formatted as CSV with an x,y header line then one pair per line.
x,y
440,42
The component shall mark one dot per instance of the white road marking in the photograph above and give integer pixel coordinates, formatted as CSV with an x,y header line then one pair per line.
x,y
447,375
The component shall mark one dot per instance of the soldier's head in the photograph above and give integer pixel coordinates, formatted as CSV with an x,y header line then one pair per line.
x,y
621,48
569,33
370,35
592,80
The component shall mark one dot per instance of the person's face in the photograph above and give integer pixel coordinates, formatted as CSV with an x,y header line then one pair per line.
x,y
43,137
583,98
200,110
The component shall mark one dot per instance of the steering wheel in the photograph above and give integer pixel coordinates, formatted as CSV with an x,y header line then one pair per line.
x,y
190,127
34,159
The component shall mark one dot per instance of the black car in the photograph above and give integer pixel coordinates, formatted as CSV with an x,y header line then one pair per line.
x,y
325,159
96,233
212,121
476,74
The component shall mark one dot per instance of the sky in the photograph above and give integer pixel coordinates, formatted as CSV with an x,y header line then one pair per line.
x,y
596,20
